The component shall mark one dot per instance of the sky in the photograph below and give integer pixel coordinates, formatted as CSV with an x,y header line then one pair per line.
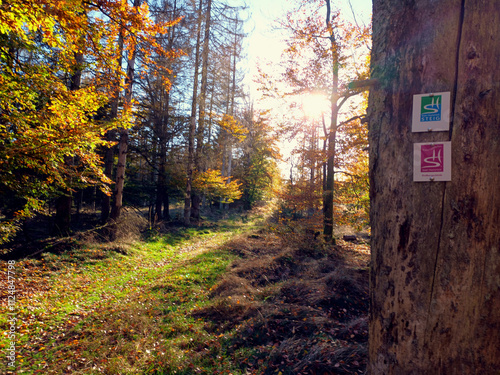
x,y
264,47
264,43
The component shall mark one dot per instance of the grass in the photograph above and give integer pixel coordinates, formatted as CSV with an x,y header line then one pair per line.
x,y
230,297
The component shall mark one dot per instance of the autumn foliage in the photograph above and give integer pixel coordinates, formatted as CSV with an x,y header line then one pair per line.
x,y
324,54
58,71
214,186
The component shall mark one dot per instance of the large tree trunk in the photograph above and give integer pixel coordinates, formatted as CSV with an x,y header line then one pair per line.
x,y
120,175
435,284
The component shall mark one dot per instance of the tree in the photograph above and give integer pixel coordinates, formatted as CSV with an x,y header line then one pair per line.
x,y
56,61
214,186
218,39
320,54
162,114
256,168
63,202
136,33
192,122
435,295
46,118
124,132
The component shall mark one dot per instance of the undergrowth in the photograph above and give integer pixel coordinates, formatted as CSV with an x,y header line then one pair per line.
x,y
232,297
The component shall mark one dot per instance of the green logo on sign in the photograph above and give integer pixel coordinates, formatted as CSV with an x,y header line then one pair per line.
x,y
430,109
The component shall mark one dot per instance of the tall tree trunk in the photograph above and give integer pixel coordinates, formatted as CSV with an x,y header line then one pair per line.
x,y
192,125
124,135
109,158
229,167
195,198
328,193
435,289
223,137
120,175
161,185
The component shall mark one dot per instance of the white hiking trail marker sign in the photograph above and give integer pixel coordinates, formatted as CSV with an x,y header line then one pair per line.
x,y
431,112
432,161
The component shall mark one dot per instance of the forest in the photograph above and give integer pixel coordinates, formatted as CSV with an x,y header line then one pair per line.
x,y
165,208
151,220
109,105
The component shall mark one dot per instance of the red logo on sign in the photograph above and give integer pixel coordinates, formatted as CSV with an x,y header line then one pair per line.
x,y
432,158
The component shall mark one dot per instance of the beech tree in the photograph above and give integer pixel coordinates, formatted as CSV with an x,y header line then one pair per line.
x,y
435,292
46,118
58,66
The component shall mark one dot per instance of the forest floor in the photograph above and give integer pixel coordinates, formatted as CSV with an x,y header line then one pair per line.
x,y
242,295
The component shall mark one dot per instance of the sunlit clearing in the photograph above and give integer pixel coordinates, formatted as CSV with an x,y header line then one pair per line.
x,y
314,105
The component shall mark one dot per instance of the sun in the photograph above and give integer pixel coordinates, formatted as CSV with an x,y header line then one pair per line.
x,y
314,105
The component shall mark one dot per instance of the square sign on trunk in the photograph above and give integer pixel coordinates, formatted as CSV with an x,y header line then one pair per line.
x,y
432,161
431,112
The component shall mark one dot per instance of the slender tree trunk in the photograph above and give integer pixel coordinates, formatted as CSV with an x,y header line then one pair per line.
x,y
210,119
229,167
435,289
161,186
109,158
223,137
328,193
192,126
161,183
153,180
166,207
325,144
312,158
195,198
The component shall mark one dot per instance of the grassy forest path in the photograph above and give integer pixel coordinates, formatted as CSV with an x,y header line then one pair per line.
x,y
234,297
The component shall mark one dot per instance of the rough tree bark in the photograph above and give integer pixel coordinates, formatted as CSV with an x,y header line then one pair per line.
x,y
435,280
